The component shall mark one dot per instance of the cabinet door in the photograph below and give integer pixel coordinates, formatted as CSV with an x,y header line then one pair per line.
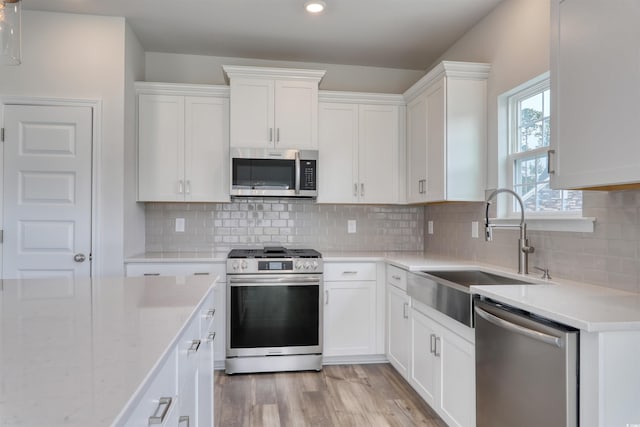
x,y
206,149
350,318
378,148
296,114
424,372
188,361
457,379
436,141
205,384
398,329
595,92
338,145
160,148
251,113
417,149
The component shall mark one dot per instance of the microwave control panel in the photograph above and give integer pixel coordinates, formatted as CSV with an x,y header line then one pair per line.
x,y
308,174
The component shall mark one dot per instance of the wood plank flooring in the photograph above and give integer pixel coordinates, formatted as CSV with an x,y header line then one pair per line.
x,y
343,395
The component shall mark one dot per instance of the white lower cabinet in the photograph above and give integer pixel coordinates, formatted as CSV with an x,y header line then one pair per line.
x,y
351,310
134,269
398,325
180,391
443,370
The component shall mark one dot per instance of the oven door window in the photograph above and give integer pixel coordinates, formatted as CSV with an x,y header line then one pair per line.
x,y
274,316
264,173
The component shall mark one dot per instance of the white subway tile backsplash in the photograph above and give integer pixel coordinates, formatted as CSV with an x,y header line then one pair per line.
x,y
257,222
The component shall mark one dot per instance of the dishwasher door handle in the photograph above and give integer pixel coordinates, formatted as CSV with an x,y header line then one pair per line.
x,y
535,335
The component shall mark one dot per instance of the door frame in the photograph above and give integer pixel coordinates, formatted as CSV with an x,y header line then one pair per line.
x,y
96,157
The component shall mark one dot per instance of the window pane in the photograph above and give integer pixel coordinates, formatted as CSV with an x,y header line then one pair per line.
x,y
546,132
547,103
531,109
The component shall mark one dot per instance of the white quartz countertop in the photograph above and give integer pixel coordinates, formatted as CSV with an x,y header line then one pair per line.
x,y
73,352
586,307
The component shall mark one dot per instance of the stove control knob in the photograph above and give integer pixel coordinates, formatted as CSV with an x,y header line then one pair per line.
x,y
244,265
235,265
298,265
315,265
307,265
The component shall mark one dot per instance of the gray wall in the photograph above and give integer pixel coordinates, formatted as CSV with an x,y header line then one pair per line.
x,y
290,222
610,256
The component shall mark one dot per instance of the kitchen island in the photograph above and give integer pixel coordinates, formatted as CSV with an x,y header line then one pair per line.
x,y
85,352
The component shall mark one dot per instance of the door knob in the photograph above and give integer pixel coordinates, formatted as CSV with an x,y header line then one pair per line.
x,y
79,257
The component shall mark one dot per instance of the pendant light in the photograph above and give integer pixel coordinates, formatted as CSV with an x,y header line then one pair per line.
x,y
10,22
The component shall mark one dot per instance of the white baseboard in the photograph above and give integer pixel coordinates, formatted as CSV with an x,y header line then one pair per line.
x,y
334,360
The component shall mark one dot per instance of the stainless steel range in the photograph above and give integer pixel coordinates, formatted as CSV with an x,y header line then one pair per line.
x,y
274,306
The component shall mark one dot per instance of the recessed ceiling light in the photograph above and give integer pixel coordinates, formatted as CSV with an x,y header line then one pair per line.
x,y
315,6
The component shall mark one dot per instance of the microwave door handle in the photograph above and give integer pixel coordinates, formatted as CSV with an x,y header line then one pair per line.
x,y
297,172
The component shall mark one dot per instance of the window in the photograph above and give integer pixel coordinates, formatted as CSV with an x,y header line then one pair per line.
x,y
529,111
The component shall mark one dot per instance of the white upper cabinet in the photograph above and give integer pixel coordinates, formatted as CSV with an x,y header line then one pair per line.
x,y
595,69
183,143
446,134
360,144
273,107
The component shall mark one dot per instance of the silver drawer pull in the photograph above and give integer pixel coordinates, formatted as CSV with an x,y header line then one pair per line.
x,y
195,345
182,419
211,337
349,272
151,274
204,273
163,407
395,277
210,313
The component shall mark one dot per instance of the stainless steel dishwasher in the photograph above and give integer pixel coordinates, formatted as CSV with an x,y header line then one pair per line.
x,y
526,369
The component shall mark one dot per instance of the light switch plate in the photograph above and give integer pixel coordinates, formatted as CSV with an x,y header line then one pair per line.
x,y
430,227
351,226
474,229
179,225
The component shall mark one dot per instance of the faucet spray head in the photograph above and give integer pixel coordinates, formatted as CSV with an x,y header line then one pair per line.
x,y
488,230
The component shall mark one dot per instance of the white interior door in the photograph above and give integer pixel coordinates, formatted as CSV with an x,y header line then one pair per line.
x,y
47,191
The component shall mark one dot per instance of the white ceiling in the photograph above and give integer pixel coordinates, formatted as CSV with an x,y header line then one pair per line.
x,y
409,34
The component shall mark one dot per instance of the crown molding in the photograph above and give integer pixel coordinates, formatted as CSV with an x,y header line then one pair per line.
x,y
360,98
232,71
453,69
220,91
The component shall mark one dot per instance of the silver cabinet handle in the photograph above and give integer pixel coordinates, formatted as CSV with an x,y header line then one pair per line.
x,y
210,313
362,189
182,419
349,272
195,345
211,337
436,350
151,274
355,189
202,273
277,134
79,257
180,187
549,170
188,187
432,343
395,277
161,411
270,134
326,297
405,310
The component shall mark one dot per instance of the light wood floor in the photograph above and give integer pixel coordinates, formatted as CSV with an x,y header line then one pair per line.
x,y
344,395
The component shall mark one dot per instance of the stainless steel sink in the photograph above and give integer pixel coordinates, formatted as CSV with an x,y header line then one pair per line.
x,y
448,291
468,278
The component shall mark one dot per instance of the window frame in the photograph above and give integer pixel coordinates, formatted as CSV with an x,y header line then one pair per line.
x,y
513,99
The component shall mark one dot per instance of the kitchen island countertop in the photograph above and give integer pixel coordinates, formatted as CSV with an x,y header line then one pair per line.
x,y
74,351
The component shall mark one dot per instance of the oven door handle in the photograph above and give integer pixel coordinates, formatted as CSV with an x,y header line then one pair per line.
x,y
273,281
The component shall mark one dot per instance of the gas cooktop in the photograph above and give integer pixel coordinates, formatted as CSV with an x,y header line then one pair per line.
x,y
274,252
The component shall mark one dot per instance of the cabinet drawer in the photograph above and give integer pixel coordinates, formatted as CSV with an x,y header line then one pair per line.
x,y
154,401
397,277
341,271
175,269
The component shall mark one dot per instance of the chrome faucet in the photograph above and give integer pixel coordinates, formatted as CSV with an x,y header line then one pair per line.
x,y
523,243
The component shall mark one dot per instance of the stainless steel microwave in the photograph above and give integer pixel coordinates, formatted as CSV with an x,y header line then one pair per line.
x,y
274,173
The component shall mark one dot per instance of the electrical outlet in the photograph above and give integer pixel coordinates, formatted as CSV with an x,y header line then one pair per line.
x,y
351,226
474,229
179,225
430,227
